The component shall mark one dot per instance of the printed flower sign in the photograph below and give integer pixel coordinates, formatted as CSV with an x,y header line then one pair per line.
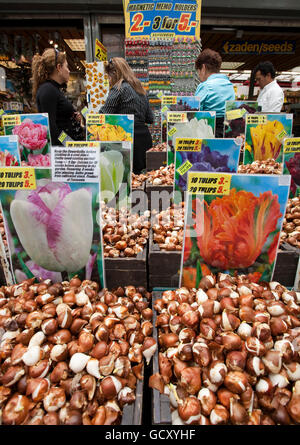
x,y
34,137
9,151
236,232
264,136
53,229
235,117
198,125
109,127
292,164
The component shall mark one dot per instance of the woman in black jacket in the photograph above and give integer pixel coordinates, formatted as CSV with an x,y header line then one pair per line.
x,y
127,96
50,73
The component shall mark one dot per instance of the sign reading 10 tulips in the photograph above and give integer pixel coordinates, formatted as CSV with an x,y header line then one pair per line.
x,y
17,178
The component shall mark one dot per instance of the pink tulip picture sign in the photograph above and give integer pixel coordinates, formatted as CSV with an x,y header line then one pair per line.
x,y
33,134
53,230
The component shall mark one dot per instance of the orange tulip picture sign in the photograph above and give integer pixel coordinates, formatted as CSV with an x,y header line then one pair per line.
x,y
265,134
236,231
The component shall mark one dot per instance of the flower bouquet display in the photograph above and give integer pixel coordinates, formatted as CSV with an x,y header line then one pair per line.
x,y
188,124
264,136
109,127
176,103
34,137
292,164
9,151
233,226
115,173
54,230
235,117
204,155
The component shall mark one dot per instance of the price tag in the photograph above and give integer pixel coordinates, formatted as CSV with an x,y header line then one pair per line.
x,y
188,144
209,183
88,144
172,131
11,120
256,119
100,51
2,111
159,95
291,145
184,167
95,119
169,100
175,117
235,114
164,109
84,111
17,178
280,136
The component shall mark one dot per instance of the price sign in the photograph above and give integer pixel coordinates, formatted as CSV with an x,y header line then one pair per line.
x,y
291,145
100,51
235,114
174,117
184,167
162,18
188,144
280,136
17,178
95,119
209,183
169,100
90,144
11,119
256,119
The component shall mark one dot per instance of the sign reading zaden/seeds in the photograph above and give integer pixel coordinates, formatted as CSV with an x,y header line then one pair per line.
x,y
52,226
265,134
188,124
233,224
292,164
34,137
96,85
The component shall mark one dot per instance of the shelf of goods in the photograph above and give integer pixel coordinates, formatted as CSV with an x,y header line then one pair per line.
x,y
66,357
227,354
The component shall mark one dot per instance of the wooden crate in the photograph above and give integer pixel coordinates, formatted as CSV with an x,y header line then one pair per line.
x,y
163,266
132,414
155,160
126,271
153,193
286,267
161,412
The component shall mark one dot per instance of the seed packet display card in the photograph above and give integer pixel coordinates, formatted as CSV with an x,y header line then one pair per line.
x,y
292,164
9,151
110,127
176,103
235,117
115,173
97,86
53,228
204,155
193,124
34,137
264,136
232,224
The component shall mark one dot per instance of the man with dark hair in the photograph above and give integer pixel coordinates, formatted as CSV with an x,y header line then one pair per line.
x,y
215,88
271,96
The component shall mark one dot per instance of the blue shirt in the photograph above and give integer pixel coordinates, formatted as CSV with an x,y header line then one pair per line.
x,y
214,92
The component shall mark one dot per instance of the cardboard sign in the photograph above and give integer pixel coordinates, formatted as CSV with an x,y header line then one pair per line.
x,y
100,51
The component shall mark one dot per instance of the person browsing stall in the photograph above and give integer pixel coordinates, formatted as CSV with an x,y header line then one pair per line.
x,y
271,96
128,96
214,87
50,73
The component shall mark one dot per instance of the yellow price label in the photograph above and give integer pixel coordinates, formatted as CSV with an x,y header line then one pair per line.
x,y
291,145
159,95
2,111
100,51
95,119
184,167
209,183
175,117
164,109
17,178
256,119
281,135
169,100
82,144
235,114
11,119
62,136
172,131
188,144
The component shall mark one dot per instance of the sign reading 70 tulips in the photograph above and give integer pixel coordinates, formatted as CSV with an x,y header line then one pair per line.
x,y
234,232
53,230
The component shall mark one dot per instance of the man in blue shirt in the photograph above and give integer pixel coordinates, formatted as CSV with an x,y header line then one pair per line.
x,y
215,88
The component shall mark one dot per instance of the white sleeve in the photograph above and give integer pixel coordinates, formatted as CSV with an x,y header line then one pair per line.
x,y
275,100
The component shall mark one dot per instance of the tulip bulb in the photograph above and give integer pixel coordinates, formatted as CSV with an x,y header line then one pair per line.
x,y
78,362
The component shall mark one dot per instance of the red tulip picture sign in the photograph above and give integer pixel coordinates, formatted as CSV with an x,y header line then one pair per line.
x,y
232,225
292,164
